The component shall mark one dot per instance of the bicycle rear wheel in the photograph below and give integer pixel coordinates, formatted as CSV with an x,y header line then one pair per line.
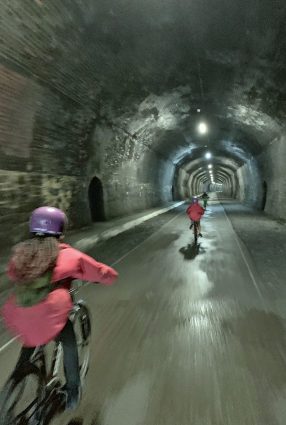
x,y
196,232
80,319
22,397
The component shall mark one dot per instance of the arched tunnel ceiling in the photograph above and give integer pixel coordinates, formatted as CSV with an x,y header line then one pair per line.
x,y
222,172
150,65
222,167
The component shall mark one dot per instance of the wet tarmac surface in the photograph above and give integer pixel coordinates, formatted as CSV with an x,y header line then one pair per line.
x,y
186,336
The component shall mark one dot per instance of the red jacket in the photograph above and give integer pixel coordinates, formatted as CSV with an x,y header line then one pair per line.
x,y
41,323
195,212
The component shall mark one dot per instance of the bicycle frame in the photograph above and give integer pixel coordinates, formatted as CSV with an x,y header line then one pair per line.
x,y
196,231
38,358
56,361
48,372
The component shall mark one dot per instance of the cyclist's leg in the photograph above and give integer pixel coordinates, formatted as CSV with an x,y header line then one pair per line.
x,y
199,228
25,355
71,364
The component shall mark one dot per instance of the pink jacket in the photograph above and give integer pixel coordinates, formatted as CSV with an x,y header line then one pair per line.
x,y
41,323
195,212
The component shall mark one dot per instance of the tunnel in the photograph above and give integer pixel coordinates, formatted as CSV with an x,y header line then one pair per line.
x,y
116,110
87,104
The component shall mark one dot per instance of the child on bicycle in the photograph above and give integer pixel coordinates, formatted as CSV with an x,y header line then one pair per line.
x,y
195,213
205,197
42,270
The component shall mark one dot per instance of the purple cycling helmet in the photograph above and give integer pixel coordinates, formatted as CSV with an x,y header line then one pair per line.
x,y
195,200
48,221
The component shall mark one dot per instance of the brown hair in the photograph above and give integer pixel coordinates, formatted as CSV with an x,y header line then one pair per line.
x,y
34,257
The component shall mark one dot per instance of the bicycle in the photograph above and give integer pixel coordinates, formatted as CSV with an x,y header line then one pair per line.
x,y
195,225
33,387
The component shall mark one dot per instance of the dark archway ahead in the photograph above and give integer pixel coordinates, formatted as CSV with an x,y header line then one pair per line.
x,y
96,200
264,196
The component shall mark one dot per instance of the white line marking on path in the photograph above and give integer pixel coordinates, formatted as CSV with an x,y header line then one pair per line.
x,y
244,257
142,243
7,344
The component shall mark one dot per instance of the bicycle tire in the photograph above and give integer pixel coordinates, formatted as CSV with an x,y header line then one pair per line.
x,y
9,393
80,318
196,232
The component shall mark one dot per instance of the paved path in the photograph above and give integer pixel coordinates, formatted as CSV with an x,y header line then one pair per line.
x,y
184,337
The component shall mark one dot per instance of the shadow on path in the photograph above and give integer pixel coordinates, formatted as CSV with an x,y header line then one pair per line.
x,y
191,251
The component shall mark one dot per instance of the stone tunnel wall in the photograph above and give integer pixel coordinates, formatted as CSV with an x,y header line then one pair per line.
x,y
43,152
51,147
272,163
249,190
182,188
230,186
261,181
133,176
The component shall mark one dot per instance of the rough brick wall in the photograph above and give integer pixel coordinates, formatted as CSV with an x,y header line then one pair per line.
x,y
23,191
50,152
43,153
272,163
182,187
229,187
46,112
55,78
249,187
133,176
268,167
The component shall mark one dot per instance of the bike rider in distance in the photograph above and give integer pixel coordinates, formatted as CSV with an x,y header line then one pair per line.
x,y
205,197
195,213
41,270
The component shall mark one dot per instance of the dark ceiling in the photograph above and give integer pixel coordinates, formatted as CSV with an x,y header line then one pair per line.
x,y
153,63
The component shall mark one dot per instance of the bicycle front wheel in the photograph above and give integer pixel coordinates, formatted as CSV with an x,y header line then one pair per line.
x,y
80,319
22,397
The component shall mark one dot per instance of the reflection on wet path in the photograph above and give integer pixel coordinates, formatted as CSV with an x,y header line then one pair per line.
x,y
187,336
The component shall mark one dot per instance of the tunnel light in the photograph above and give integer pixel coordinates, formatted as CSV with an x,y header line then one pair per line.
x,y
208,155
202,128
210,166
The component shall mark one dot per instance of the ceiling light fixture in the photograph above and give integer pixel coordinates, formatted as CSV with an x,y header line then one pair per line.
x,y
202,128
208,155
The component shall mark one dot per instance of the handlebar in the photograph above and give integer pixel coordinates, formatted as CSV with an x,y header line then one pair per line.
x,y
79,284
